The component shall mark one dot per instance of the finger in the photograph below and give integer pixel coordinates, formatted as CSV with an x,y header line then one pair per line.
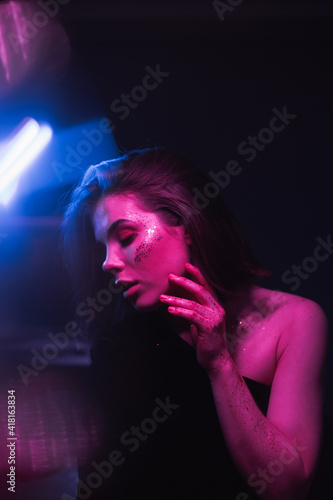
x,y
171,300
197,274
202,324
200,293
189,314
203,310
194,335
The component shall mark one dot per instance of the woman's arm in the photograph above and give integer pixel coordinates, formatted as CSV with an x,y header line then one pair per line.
x,y
275,454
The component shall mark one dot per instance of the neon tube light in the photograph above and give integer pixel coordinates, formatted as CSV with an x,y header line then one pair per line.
x,y
21,151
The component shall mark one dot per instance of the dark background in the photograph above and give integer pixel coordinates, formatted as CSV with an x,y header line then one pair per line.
x,y
224,80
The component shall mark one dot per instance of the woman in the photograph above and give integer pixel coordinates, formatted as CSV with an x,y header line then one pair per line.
x,y
212,386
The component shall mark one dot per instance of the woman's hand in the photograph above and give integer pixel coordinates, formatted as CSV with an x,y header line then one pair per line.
x,y
206,315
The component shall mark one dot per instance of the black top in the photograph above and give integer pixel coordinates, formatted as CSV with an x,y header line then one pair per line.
x,y
160,419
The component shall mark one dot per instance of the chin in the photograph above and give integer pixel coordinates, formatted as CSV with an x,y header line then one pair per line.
x,y
146,306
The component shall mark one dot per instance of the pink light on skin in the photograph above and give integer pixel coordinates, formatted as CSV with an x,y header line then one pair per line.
x,y
141,249
153,235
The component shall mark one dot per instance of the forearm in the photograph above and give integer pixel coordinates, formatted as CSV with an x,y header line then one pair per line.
x,y
267,459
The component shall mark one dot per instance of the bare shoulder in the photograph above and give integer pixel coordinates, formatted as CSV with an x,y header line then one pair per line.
x,y
287,306
283,330
300,320
287,303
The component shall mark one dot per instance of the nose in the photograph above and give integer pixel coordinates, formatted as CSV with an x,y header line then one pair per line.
x,y
113,263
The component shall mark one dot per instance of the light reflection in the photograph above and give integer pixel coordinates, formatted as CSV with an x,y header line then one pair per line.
x,y
16,12
30,40
55,426
27,143
3,54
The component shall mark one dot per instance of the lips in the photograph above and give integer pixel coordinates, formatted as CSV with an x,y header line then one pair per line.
x,y
126,284
129,287
131,291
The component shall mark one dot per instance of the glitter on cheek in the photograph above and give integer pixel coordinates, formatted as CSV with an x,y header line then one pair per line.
x,y
152,235
143,250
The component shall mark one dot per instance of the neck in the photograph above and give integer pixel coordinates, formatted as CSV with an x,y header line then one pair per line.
x,y
241,306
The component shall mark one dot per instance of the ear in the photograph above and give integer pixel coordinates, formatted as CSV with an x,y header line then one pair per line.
x,y
182,232
188,239
187,236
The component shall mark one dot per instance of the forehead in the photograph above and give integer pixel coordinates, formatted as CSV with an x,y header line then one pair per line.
x,y
111,208
118,204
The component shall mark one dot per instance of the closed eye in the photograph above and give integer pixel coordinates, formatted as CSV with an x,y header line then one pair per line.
x,y
127,240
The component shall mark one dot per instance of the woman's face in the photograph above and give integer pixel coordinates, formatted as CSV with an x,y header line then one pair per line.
x,y
141,249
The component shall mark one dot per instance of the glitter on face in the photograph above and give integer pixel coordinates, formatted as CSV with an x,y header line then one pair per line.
x,y
143,250
153,236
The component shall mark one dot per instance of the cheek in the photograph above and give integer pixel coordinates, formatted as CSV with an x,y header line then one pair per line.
x,y
143,251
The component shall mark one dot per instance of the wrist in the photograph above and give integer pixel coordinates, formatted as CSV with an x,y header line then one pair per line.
x,y
221,366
